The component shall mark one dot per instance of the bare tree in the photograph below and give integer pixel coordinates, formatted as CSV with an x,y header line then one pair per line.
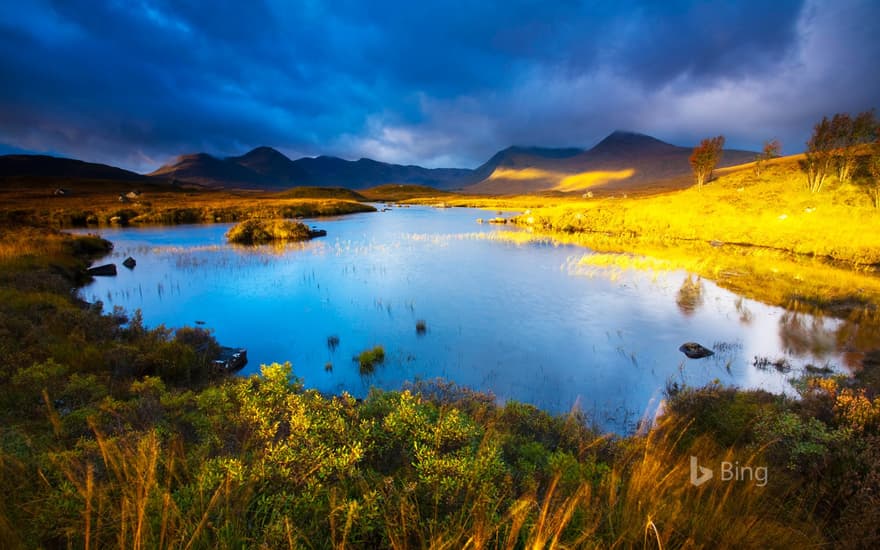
x,y
819,158
705,158
841,135
772,149
874,170
874,185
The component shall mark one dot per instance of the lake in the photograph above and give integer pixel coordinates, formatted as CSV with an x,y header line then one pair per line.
x,y
521,319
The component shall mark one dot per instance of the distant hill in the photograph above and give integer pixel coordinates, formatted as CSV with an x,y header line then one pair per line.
x,y
624,160
211,171
400,192
44,166
266,168
320,193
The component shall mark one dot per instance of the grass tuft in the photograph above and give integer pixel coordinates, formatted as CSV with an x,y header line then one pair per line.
x,y
368,359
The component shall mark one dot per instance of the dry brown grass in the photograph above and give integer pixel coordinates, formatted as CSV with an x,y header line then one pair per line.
x,y
96,203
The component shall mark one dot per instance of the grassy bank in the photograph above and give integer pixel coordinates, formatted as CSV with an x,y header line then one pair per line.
x,y
393,192
97,203
773,210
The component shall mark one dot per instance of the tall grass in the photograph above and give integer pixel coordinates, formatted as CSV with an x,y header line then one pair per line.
x,y
142,491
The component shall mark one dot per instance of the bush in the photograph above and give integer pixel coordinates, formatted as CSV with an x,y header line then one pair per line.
x,y
265,231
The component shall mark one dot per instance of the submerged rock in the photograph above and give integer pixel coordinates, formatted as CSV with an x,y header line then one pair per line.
x,y
129,262
695,351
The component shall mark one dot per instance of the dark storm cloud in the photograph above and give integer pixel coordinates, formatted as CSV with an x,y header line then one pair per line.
x,y
136,82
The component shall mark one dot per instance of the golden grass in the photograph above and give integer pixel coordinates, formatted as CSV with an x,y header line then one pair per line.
x,y
403,192
251,232
773,210
98,203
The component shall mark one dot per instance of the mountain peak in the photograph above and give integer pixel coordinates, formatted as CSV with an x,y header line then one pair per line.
x,y
263,152
624,140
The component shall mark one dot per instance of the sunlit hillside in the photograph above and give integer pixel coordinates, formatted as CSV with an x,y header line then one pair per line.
x,y
623,161
773,209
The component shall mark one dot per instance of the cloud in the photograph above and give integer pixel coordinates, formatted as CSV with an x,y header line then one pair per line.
x,y
435,83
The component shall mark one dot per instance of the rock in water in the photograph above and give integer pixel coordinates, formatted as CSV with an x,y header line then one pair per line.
x,y
129,263
695,351
106,270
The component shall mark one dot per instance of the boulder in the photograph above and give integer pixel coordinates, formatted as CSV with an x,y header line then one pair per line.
x,y
695,351
129,262
106,270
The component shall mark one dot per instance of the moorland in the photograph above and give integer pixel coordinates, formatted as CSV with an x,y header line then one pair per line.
x,y
118,434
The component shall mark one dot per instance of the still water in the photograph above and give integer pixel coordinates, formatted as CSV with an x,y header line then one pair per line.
x,y
520,319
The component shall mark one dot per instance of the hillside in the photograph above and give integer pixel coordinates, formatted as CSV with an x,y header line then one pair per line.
x,y
266,168
211,171
18,167
772,211
340,193
623,160
400,192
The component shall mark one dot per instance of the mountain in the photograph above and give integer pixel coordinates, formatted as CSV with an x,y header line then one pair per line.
x,y
266,168
44,166
519,157
272,166
623,160
208,170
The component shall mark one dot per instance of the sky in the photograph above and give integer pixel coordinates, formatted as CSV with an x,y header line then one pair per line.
x,y
134,83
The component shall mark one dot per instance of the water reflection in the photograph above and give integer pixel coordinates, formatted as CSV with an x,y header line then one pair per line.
x,y
802,334
504,313
690,295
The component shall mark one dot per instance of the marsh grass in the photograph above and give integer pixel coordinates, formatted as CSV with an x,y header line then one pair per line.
x,y
256,231
332,342
368,359
96,203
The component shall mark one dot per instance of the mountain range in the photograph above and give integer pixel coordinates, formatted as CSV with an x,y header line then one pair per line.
x,y
622,160
266,168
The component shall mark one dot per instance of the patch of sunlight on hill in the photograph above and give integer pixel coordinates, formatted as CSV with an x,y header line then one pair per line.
x,y
524,174
585,180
